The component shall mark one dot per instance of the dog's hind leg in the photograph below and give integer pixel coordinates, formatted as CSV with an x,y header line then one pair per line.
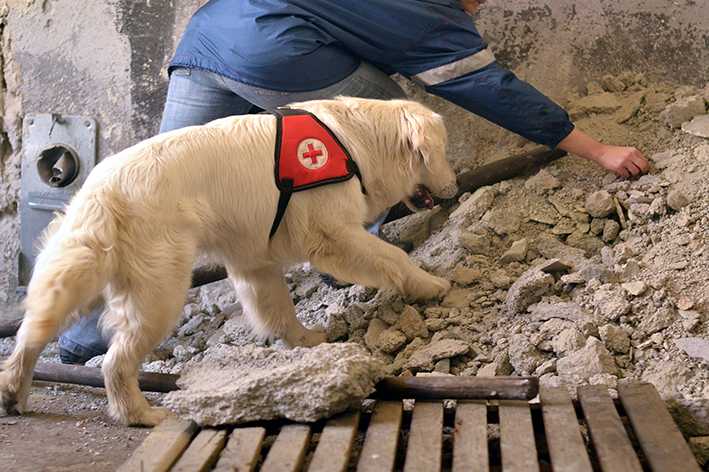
x,y
16,377
140,316
63,282
356,256
269,307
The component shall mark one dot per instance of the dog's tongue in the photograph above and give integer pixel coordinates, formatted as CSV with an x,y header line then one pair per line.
x,y
422,199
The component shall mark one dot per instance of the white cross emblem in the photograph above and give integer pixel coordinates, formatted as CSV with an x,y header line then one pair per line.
x,y
312,154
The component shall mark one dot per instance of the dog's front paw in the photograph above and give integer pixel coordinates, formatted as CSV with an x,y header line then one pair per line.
x,y
308,337
429,288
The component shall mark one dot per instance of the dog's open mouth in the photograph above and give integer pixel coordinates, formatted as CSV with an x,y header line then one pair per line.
x,y
421,199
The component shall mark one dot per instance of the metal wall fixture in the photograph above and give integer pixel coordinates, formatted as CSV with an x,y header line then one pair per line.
x,y
60,151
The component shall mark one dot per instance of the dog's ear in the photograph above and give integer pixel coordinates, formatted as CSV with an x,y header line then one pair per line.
x,y
426,135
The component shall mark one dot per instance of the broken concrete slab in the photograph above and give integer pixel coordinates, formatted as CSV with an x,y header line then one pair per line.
x,y
240,384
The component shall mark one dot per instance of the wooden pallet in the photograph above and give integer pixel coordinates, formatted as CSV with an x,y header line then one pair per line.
x,y
634,434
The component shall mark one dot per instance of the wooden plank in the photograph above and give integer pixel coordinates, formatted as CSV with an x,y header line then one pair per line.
x,y
379,448
425,448
242,451
333,451
202,452
566,446
610,440
459,388
162,447
288,451
517,445
470,452
658,435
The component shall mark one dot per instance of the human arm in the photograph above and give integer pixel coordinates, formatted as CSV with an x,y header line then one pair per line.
x,y
471,5
624,161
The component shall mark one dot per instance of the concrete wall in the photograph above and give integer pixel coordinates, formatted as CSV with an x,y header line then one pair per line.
x,y
107,58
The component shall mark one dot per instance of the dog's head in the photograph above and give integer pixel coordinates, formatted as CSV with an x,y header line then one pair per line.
x,y
425,140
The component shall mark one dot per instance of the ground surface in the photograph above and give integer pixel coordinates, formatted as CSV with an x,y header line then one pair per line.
x,y
66,429
629,302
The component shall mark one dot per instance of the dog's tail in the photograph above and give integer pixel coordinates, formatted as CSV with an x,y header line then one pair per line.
x,y
71,271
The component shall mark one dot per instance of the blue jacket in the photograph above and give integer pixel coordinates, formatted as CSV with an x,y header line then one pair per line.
x,y
302,45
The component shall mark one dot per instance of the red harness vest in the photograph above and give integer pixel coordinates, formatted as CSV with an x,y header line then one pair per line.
x,y
308,155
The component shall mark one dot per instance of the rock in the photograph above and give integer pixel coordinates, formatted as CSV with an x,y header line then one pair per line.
x,y
414,228
631,269
474,207
600,204
607,380
498,367
683,110
466,276
425,358
585,321
676,200
240,384
657,321
528,289
516,253
501,222
694,347
602,103
634,288
611,303
391,341
685,303
590,244
690,415
593,359
524,356
547,367
699,126
568,341
355,317
597,225
336,327
403,356
614,338
611,83
374,330
475,243
411,324
700,448
590,271
611,229
542,181
630,106
639,213
690,319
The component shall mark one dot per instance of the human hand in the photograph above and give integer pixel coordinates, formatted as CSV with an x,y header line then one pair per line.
x,y
624,161
471,5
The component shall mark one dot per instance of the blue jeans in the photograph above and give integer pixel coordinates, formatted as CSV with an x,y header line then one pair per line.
x,y
196,97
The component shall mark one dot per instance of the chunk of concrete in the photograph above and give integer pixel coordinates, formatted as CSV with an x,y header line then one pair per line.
x,y
240,384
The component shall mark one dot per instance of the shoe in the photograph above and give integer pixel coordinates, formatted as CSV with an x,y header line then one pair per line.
x,y
331,281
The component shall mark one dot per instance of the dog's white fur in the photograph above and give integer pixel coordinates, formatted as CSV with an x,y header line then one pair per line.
x,y
132,233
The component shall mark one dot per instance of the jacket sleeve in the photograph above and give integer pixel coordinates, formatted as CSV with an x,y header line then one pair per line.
x,y
497,95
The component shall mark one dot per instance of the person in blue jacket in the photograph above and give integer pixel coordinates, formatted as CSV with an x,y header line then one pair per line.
x,y
241,56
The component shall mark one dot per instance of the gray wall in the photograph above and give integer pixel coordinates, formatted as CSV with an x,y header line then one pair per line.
x,y
107,58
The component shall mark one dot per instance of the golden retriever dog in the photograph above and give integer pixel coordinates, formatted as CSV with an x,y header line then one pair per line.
x,y
133,232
